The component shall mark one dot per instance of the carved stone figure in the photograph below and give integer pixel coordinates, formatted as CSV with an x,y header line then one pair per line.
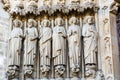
x,y
108,65
107,45
31,35
16,43
89,34
59,43
74,41
106,26
45,45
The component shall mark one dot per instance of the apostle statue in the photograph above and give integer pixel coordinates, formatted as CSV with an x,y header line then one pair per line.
x,y
45,45
59,46
89,34
15,46
31,35
16,43
74,42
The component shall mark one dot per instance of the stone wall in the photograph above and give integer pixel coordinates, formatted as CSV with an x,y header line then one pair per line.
x,y
52,39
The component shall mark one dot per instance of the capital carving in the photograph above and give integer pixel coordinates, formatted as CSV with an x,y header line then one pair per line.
x,y
114,8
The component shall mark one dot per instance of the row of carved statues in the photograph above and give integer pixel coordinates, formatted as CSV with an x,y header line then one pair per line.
x,y
54,43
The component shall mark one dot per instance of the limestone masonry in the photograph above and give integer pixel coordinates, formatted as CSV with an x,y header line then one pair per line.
x,y
63,39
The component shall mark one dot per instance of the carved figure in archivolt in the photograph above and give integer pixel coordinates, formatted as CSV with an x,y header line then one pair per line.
x,y
108,65
31,35
59,42
16,43
107,44
74,41
106,26
89,34
45,43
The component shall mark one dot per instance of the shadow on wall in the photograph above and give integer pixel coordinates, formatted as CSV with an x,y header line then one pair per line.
x,y
118,28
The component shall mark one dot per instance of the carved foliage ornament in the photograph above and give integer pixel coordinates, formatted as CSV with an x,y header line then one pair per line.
x,y
32,7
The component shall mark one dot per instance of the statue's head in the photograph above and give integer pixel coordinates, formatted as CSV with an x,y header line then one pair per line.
x,y
17,23
45,23
31,23
89,19
59,21
73,20
105,20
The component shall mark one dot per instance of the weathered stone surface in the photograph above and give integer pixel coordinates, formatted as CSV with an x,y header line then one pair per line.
x,y
77,39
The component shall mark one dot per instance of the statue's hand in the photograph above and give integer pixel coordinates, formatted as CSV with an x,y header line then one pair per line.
x,y
32,39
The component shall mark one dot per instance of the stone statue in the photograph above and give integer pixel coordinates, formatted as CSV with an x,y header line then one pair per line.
x,y
106,26
108,65
74,41
15,49
89,34
31,35
45,45
107,45
59,44
16,43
